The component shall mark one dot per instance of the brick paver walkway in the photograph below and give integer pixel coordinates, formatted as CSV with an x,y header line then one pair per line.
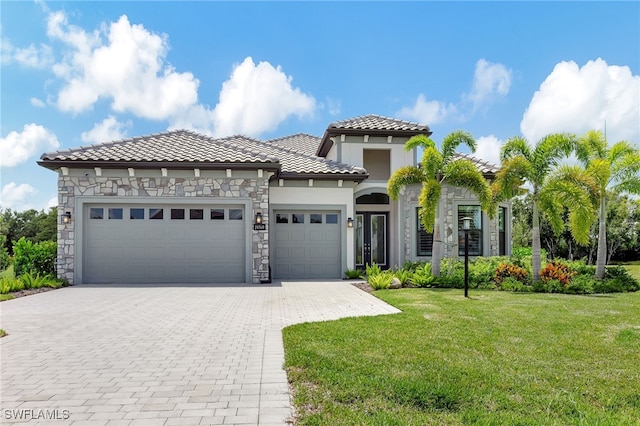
x,y
163,355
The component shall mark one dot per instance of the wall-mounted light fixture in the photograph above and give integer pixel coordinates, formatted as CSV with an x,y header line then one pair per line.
x,y
349,223
258,219
66,217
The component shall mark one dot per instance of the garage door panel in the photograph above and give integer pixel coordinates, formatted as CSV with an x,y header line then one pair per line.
x,y
163,250
308,249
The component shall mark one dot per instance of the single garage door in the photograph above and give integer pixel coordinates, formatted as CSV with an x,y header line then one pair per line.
x,y
306,244
163,243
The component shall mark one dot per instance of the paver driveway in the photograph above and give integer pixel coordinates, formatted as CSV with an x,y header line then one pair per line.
x,y
161,355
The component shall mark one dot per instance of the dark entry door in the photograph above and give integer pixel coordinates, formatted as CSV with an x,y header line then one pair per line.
x,y
371,239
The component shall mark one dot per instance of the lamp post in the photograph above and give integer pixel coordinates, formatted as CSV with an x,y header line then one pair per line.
x,y
466,225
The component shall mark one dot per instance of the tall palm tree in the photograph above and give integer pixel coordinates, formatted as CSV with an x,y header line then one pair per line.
x,y
435,169
534,166
615,169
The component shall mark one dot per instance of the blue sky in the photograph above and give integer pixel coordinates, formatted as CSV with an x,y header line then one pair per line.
x,y
78,73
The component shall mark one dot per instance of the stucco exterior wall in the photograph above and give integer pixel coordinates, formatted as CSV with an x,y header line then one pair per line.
x,y
75,190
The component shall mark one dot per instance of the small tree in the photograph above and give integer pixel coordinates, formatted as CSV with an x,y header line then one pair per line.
x,y
435,169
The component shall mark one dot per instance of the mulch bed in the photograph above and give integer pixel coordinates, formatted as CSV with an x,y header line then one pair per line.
x,y
362,285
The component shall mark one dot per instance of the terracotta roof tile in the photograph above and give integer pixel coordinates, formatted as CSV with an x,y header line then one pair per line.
x,y
378,122
485,167
301,142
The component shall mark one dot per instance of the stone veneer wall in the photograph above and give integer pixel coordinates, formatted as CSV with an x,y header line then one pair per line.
x,y
69,187
447,206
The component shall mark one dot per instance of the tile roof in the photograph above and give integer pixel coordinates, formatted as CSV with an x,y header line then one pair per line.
x,y
378,122
182,146
302,142
485,167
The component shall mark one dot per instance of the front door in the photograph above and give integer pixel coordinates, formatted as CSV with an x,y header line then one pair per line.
x,y
371,239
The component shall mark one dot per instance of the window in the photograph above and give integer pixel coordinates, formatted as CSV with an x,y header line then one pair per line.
x,y
282,218
136,214
235,214
424,239
375,198
475,232
156,214
177,214
297,218
332,218
315,218
96,213
502,215
115,213
196,214
217,214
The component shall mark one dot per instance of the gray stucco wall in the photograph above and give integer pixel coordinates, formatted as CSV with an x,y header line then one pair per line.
x,y
182,189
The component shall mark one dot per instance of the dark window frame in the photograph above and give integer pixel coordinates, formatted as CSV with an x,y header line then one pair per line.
x,y
424,239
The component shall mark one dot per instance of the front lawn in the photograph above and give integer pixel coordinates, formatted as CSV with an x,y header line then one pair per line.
x,y
633,268
499,358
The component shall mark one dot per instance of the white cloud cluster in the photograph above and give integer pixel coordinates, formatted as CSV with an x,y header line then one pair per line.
x,y
31,56
128,68
429,112
18,147
490,81
109,129
489,149
17,197
577,99
256,98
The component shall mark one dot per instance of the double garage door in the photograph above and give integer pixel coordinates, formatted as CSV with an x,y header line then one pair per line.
x,y
163,243
306,244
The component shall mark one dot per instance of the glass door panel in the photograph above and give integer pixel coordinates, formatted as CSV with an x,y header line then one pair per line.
x,y
359,240
378,239
371,239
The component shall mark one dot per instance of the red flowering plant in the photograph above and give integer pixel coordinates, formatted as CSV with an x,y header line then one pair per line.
x,y
508,270
557,270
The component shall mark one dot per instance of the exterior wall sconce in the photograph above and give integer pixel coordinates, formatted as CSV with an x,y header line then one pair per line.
x,y
258,219
66,217
466,225
350,223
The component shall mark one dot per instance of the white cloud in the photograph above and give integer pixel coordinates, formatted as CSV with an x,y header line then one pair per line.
x,y
428,112
257,98
31,56
17,147
53,202
38,103
489,81
574,99
109,129
334,106
123,63
17,197
489,149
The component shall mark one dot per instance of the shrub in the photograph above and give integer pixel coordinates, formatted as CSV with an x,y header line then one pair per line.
x,y
557,270
373,270
353,274
582,268
380,280
5,259
551,286
403,275
10,284
37,258
411,266
508,270
580,284
513,284
482,271
421,276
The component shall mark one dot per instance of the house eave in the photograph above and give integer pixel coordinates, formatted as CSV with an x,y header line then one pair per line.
x,y
325,143
175,165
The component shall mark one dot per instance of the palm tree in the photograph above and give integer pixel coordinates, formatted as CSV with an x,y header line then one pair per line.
x,y
435,169
522,163
614,169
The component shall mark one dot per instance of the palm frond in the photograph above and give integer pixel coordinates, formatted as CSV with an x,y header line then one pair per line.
x,y
464,174
431,162
579,202
619,150
428,201
418,141
514,147
453,140
625,167
591,145
511,176
583,179
406,175
549,151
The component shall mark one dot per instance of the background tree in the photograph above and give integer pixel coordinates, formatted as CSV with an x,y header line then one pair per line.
x,y
438,168
34,225
522,163
615,169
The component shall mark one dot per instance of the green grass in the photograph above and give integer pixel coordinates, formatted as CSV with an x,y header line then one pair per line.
x,y
499,358
633,268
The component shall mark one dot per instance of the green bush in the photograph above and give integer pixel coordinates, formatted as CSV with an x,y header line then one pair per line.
x,y
580,284
353,274
381,280
421,276
482,271
39,258
403,275
513,284
373,270
5,259
10,284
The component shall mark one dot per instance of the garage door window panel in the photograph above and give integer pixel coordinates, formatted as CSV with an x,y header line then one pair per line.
x,y
282,218
297,218
156,214
217,214
196,214
136,214
235,214
115,213
315,218
177,214
96,213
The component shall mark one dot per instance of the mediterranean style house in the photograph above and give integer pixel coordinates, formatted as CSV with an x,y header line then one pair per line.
x,y
181,207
